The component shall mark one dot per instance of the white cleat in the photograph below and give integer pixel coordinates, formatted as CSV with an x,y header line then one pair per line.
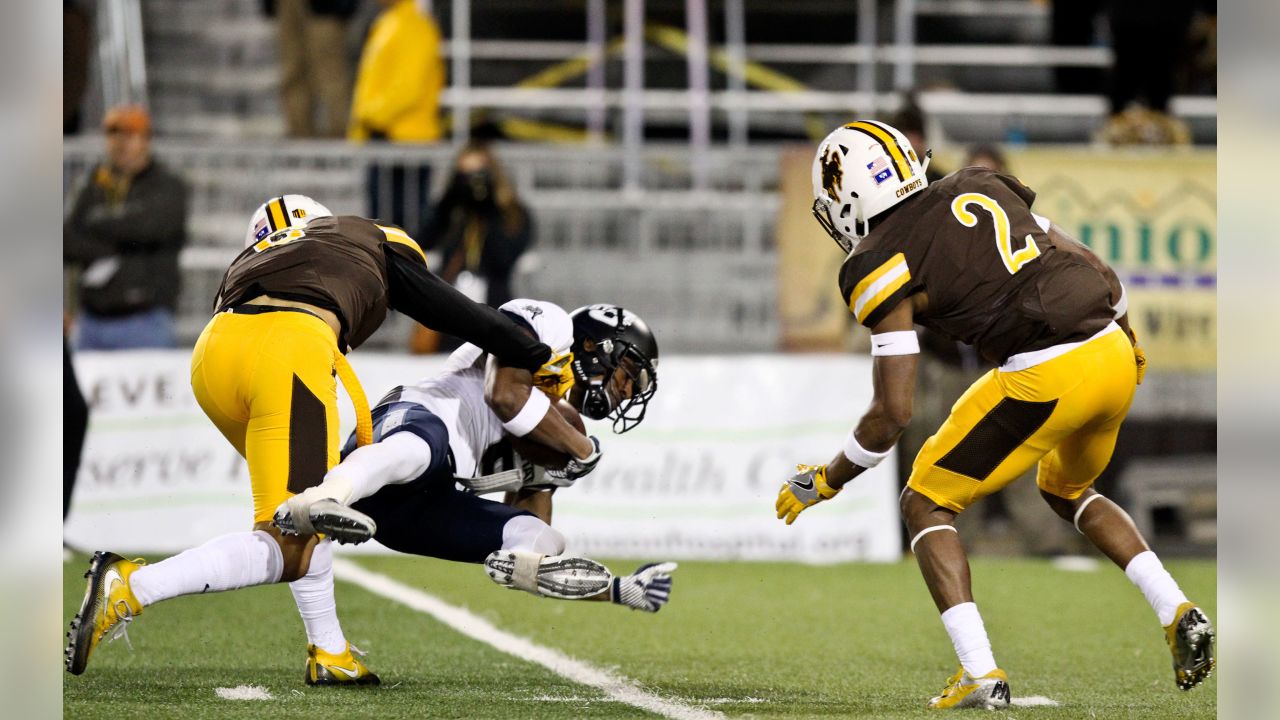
x,y
344,524
557,576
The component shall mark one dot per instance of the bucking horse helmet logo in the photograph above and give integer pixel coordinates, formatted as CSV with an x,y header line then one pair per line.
x,y
832,173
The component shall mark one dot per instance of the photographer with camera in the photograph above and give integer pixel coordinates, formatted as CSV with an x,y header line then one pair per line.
x,y
480,229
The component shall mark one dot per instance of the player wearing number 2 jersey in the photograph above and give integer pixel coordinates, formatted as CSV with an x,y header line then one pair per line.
x,y
307,288
968,258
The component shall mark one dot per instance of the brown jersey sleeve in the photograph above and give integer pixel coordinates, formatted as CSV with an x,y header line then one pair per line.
x,y
873,282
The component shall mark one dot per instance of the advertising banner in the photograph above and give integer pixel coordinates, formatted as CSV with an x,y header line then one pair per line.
x,y
697,480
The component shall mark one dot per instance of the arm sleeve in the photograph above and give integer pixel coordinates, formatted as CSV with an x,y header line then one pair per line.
x,y
417,292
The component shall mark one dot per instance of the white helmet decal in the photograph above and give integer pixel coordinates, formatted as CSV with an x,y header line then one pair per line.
x,y
284,211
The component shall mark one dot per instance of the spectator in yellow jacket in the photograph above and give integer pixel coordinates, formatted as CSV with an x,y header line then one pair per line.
x,y
401,75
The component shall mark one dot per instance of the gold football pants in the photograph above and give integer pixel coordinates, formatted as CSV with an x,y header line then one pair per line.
x,y
266,378
1064,413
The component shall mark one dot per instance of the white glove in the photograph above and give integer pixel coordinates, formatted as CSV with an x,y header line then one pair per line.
x,y
647,589
575,468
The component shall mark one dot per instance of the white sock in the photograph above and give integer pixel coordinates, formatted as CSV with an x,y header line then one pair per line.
x,y
969,637
1157,585
224,563
313,594
526,532
398,459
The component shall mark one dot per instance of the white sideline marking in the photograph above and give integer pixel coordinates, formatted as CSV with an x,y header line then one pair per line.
x,y
1035,701
243,692
473,626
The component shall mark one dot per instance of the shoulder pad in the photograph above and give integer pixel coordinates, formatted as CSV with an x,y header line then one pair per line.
x,y
399,237
873,282
994,183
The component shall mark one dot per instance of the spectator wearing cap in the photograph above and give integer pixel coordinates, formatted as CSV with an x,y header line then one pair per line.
x,y
124,227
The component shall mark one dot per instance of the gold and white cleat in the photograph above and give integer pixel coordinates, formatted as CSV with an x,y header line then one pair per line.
x,y
990,692
346,668
109,603
1190,638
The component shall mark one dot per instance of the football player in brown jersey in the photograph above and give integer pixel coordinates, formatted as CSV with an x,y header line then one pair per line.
x,y
309,287
968,258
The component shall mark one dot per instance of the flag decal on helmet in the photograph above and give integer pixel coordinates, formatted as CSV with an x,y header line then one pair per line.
x,y
832,173
879,168
886,141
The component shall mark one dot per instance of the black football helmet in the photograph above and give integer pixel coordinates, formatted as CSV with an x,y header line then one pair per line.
x,y
605,338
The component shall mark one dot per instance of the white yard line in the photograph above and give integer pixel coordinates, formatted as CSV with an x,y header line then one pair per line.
x,y
243,692
615,686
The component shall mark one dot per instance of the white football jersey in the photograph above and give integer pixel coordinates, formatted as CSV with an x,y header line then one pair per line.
x,y
456,395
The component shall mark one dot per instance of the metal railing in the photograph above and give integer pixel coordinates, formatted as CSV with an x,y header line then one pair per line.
x,y
662,248
121,52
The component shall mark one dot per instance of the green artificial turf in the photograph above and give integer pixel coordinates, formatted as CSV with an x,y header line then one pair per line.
x,y
746,639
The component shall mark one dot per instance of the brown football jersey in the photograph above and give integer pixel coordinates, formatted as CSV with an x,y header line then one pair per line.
x,y
993,276
338,263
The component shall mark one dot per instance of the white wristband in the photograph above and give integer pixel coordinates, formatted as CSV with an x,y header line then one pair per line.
x,y
535,408
899,342
861,456
1122,305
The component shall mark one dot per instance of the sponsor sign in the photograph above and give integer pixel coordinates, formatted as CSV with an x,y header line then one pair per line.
x,y
697,480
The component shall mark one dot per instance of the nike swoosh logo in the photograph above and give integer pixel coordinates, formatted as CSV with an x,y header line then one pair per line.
x,y
349,673
110,576
806,485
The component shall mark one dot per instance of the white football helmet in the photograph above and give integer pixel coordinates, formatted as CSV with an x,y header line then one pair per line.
x,y
282,212
861,170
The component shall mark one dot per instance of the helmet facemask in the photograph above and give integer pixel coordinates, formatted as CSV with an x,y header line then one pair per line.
x,y
601,399
643,377
822,211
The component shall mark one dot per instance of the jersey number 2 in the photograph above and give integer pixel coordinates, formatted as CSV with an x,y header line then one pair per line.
x,y
1013,260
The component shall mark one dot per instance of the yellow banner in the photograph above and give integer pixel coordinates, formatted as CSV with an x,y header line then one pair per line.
x,y
1151,215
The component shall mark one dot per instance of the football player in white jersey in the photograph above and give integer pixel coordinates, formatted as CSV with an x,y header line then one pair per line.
x,y
445,431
